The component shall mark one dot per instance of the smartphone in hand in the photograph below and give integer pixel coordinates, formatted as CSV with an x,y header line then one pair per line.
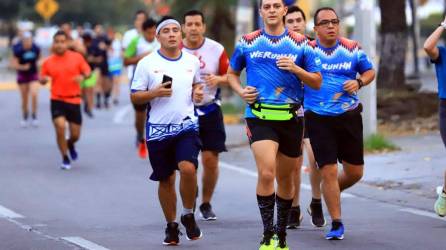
x,y
167,78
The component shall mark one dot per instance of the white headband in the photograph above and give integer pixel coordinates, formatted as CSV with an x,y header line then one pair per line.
x,y
165,23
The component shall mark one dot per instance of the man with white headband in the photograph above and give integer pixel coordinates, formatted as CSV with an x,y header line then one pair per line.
x,y
168,81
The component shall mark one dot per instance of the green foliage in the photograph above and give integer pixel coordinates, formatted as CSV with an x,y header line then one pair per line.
x,y
377,142
429,24
232,109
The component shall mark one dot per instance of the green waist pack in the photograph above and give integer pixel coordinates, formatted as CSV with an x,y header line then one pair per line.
x,y
274,112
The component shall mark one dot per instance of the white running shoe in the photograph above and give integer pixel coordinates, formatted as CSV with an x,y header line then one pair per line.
x,y
35,123
440,204
23,123
65,166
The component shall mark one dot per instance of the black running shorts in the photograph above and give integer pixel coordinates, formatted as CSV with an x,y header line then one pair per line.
x,y
336,138
71,112
212,131
288,134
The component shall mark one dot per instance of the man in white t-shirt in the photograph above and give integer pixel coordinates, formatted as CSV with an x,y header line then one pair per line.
x,y
168,80
213,66
141,46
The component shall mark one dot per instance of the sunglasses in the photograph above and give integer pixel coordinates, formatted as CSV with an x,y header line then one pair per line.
x,y
326,23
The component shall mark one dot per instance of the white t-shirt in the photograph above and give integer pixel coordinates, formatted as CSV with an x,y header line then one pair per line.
x,y
168,116
129,35
213,60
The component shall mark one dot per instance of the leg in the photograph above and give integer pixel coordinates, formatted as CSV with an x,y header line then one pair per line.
x,y
331,191
350,175
34,89
59,125
140,120
210,174
24,93
168,197
297,180
75,132
188,183
315,175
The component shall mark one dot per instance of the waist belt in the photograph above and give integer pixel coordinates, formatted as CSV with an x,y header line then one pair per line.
x,y
274,112
68,96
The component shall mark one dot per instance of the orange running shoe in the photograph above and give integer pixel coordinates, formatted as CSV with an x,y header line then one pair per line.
x,y
142,150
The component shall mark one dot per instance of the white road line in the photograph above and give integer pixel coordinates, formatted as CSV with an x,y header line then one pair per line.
x,y
79,241
254,174
121,113
421,213
7,213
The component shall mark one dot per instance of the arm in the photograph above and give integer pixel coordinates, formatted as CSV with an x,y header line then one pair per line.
x,y
222,78
366,78
313,80
430,45
249,94
143,97
17,66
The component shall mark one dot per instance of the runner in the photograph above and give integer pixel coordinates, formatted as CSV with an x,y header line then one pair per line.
x,y
26,54
168,81
139,18
333,114
104,86
213,67
115,63
139,47
276,62
437,54
88,85
295,20
66,69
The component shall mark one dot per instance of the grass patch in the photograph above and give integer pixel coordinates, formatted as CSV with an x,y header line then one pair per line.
x,y
378,143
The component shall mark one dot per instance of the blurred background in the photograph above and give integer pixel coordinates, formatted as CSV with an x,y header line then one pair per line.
x,y
392,33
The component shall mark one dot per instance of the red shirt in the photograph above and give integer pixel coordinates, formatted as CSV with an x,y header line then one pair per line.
x,y
63,69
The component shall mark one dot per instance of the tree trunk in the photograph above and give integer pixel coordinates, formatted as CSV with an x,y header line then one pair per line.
x,y
393,44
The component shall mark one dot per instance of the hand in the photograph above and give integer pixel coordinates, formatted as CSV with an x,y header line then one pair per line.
x,y
25,67
212,80
79,79
249,94
43,80
286,63
162,90
198,93
351,86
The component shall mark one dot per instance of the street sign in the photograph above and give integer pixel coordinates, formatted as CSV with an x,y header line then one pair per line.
x,y
46,8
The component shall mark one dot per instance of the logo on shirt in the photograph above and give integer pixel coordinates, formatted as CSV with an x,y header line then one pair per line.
x,y
337,66
270,55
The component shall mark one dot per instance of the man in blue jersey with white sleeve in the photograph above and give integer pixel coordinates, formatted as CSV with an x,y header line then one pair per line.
x,y
333,113
276,61
168,80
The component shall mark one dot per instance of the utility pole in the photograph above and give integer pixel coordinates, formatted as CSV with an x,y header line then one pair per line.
x,y
365,33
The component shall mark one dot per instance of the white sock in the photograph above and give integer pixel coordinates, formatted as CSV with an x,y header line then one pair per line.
x,y
187,211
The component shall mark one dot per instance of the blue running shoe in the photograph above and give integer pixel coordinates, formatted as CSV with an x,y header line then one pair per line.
x,y
336,234
73,152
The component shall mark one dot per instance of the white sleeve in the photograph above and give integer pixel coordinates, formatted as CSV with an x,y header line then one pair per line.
x,y
141,78
128,36
197,76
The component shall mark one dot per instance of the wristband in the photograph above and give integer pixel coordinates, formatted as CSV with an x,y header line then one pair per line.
x,y
360,83
442,24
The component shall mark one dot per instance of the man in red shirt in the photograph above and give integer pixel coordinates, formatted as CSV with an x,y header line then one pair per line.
x,y
66,69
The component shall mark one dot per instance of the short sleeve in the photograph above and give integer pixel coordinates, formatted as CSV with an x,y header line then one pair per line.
x,y
312,62
364,63
44,70
141,78
84,67
238,60
441,54
223,63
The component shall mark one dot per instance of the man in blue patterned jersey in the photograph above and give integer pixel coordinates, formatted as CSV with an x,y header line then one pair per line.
x,y
333,114
276,62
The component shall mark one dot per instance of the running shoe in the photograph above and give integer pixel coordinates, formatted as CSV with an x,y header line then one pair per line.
x,y
142,149
193,232
317,214
336,233
65,165
281,242
172,234
23,123
440,204
35,123
206,212
294,218
268,241
73,153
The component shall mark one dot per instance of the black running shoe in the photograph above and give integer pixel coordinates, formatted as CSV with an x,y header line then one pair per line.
x,y
192,230
206,212
294,218
172,234
317,215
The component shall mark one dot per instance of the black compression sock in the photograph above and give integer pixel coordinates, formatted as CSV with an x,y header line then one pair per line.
x,y
283,207
266,206
335,224
66,159
314,200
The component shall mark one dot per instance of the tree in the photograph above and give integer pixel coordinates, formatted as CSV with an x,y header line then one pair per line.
x,y
393,44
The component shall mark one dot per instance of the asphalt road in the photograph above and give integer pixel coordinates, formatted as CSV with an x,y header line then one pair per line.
x,y
107,202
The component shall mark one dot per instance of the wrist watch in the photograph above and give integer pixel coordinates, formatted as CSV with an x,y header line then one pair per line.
x,y
442,24
360,83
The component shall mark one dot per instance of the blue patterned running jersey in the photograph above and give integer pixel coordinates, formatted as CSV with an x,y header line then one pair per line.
x,y
339,64
258,53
